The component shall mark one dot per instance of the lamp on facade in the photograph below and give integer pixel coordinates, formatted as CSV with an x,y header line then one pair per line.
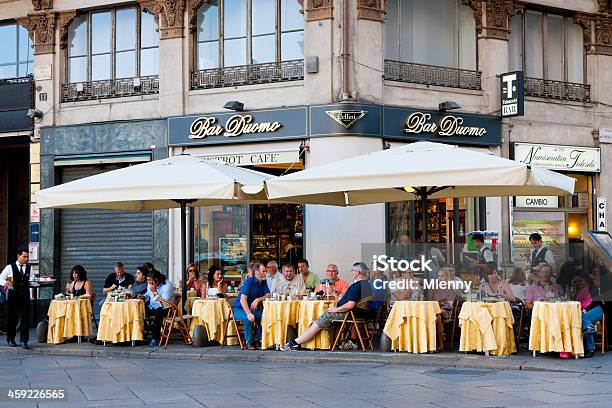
x,y
234,105
448,105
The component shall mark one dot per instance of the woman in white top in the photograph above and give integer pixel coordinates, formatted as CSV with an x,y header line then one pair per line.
x,y
411,287
215,284
518,283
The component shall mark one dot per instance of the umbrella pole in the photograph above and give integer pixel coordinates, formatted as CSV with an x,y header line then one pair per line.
x,y
183,253
424,236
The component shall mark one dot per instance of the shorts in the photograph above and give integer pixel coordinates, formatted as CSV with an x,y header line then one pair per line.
x,y
325,321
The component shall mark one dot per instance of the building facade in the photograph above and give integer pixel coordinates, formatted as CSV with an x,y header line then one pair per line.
x,y
121,82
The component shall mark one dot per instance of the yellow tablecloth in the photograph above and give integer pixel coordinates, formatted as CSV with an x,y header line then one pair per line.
x,y
213,314
121,321
68,318
277,315
556,327
308,312
411,326
487,327
189,303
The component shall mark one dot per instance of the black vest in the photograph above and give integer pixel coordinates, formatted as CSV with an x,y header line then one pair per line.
x,y
539,258
481,258
21,282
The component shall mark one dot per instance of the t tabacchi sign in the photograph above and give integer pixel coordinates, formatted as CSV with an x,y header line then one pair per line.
x,y
555,157
449,125
235,126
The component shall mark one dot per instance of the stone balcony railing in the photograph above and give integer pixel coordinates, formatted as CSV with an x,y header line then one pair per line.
x,y
110,88
248,74
565,91
432,75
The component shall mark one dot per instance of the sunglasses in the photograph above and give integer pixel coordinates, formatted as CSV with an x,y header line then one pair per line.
x,y
191,270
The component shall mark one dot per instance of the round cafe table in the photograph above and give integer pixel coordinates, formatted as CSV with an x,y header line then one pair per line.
x,y
411,326
308,313
487,327
276,317
556,327
69,318
121,321
213,314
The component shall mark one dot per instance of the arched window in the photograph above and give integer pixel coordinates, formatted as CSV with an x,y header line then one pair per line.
x,y
112,44
16,57
438,32
243,32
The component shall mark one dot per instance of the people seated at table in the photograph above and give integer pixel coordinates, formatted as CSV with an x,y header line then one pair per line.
x,y
518,283
542,286
359,290
337,286
272,273
290,284
494,286
411,290
158,288
592,311
310,278
215,284
139,288
446,298
118,278
80,285
248,306
380,292
193,279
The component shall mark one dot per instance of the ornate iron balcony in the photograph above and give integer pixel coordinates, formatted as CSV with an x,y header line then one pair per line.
x,y
110,88
566,91
248,74
432,75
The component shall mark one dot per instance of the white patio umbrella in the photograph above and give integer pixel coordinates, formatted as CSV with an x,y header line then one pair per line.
x,y
421,170
176,182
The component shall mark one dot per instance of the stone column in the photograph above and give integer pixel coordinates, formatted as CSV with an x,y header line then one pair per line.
x,y
367,47
321,28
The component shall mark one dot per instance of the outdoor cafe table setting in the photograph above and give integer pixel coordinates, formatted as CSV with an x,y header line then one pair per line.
x,y
411,326
69,317
556,327
487,326
121,320
276,317
213,314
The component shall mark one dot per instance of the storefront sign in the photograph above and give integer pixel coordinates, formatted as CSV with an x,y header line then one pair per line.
x,y
33,247
257,158
512,94
601,214
537,201
34,213
605,135
346,118
554,157
253,126
461,128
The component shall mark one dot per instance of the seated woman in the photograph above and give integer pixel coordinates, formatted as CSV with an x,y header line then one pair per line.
x,y
541,285
518,283
193,279
494,286
80,285
592,312
446,299
215,284
411,286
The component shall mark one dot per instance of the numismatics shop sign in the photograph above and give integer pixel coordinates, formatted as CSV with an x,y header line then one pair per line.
x,y
556,157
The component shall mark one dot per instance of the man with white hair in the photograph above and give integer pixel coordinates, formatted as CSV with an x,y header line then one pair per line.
x,y
272,274
358,291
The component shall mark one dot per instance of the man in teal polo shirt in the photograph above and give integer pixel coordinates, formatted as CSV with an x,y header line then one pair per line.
x,y
248,306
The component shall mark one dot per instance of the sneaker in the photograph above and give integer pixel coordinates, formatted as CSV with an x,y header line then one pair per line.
x,y
153,343
291,346
349,345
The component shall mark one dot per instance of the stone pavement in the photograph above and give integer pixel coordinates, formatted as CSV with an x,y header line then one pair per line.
x,y
136,382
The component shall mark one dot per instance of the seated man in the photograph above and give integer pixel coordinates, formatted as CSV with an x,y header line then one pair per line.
x,y
290,284
248,306
118,278
337,286
360,289
140,286
158,288
310,278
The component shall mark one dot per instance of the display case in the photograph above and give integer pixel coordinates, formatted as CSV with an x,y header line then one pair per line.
x,y
551,225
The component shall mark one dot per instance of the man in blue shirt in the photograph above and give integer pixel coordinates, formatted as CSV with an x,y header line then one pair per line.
x,y
358,291
159,288
248,306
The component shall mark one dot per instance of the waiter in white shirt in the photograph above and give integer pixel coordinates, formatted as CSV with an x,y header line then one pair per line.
x,y
16,280
485,255
541,253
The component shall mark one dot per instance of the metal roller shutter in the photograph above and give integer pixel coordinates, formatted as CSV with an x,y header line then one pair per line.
x,y
97,239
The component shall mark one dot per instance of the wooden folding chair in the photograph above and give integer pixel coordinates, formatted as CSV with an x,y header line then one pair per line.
x,y
237,325
601,333
455,322
93,312
175,317
523,326
353,321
